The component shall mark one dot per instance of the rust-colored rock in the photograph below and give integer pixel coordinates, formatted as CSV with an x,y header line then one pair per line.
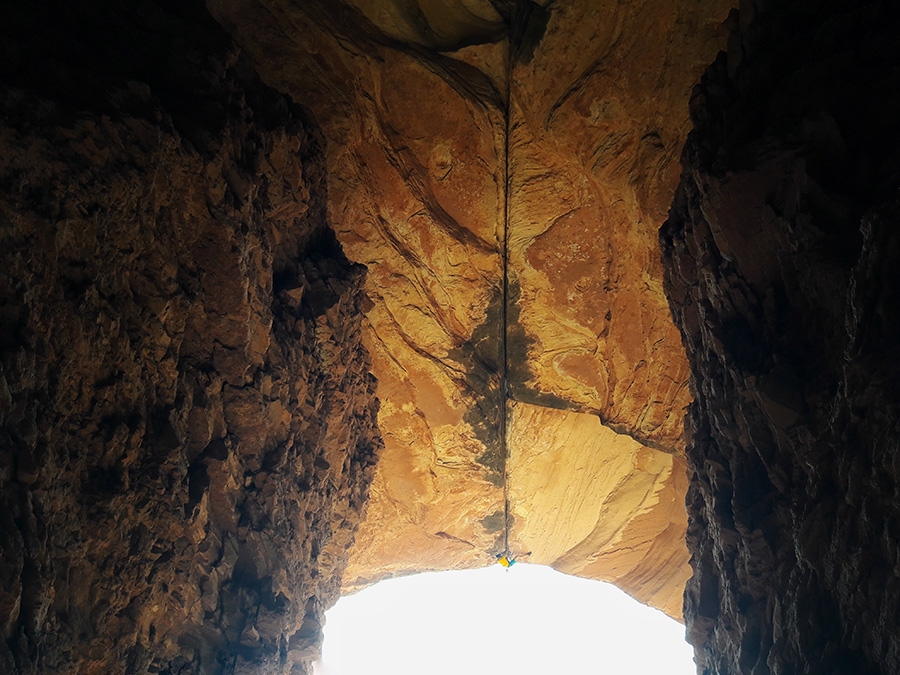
x,y
597,504
415,142
187,421
422,147
598,118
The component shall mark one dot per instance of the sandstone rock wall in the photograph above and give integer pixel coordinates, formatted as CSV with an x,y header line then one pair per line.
x,y
590,502
444,141
781,257
414,153
187,419
598,115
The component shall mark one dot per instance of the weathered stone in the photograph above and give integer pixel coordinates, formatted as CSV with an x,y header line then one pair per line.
x,y
422,148
781,265
415,146
174,493
598,118
590,502
186,411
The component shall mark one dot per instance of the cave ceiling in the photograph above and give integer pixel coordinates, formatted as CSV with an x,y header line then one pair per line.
x,y
502,170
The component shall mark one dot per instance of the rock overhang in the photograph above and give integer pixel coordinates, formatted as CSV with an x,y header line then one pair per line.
x,y
468,141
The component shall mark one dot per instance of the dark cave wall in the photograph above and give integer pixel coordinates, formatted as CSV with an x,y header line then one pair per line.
x,y
782,256
187,420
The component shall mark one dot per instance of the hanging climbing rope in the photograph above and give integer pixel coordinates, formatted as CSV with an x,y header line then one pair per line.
x,y
506,559
521,23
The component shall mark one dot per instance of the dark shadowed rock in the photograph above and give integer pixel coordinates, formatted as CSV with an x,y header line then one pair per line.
x,y
781,254
187,420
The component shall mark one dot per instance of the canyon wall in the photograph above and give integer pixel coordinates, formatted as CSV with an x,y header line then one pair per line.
x,y
414,152
781,256
460,133
188,334
187,417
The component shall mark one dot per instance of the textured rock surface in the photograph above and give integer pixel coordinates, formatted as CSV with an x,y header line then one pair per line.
x,y
782,255
598,119
414,149
187,420
417,159
591,502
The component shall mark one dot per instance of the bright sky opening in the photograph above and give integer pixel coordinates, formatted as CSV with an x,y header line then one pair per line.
x,y
530,620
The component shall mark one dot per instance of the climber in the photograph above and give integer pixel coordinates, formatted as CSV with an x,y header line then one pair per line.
x,y
506,560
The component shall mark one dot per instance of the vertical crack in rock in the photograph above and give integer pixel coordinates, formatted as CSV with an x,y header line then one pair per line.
x,y
599,110
261,373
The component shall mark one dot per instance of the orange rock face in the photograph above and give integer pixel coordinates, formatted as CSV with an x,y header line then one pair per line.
x,y
438,149
599,115
593,503
416,193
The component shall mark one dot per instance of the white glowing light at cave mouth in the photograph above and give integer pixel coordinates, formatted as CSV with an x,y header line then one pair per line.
x,y
530,620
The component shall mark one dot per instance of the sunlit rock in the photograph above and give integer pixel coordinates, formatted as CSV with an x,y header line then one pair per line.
x,y
599,98
597,504
442,142
189,343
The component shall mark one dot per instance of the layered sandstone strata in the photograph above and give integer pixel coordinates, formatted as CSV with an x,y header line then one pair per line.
x,y
444,142
593,503
598,115
187,422
414,149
